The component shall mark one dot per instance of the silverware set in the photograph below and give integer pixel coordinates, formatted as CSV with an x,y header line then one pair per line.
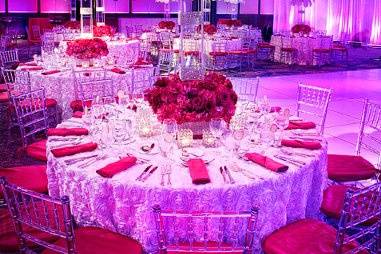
x,y
148,171
91,161
79,159
226,175
290,160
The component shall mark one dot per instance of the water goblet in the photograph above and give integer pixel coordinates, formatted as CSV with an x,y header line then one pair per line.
x,y
216,127
170,128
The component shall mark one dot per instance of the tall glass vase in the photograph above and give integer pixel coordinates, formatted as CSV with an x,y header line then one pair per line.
x,y
86,12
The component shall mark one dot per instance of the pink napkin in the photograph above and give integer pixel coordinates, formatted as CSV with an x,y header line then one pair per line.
x,y
28,64
198,171
310,145
293,125
266,162
114,168
118,70
36,68
50,72
63,132
71,150
78,114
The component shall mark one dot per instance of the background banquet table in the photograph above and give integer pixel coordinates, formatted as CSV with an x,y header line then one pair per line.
x,y
125,52
124,205
61,85
304,46
231,44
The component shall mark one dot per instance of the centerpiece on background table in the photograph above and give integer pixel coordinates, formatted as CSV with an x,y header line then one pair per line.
x,y
167,25
87,50
103,31
193,103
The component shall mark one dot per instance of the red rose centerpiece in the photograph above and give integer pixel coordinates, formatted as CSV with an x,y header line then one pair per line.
x,y
230,22
209,29
86,49
72,24
301,28
193,101
167,25
100,31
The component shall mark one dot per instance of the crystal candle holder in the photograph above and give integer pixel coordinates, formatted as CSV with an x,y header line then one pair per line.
x,y
207,138
185,137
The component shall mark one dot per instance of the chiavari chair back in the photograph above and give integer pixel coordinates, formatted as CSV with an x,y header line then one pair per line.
x,y
17,82
213,233
130,31
42,213
9,57
166,40
142,79
218,56
371,118
166,58
360,206
5,41
247,89
313,101
31,113
91,84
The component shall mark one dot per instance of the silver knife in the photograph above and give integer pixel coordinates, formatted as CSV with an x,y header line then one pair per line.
x,y
139,178
223,174
230,176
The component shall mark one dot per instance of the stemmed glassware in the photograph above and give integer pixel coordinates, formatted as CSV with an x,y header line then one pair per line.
x,y
168,136
216,127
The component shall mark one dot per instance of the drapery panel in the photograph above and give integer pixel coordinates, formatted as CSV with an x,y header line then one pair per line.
x,y
357,20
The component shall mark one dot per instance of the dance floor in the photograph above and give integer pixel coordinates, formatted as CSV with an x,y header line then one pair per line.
x,y
350,88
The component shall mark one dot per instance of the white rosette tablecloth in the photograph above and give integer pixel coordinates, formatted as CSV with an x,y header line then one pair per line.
x,y
61,87
124,205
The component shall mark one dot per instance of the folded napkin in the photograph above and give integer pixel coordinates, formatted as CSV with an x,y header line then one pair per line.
x,y
28,64
118,70
50,72
311,145
198,171
114,168
36,68
78,114
63,132
293,125
266,162
71,150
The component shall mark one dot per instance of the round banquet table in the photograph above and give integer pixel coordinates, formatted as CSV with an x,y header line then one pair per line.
x,y
124,205
61,85
304,45
125,52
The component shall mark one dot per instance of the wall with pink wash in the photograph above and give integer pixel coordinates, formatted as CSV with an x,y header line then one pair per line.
x,y
248,7
55,6
2,6
22,6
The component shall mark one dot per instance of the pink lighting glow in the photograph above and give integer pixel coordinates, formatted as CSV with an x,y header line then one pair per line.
x,y
357,20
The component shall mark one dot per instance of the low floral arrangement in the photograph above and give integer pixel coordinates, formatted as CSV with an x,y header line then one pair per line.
x,y
72,24
210,29
230,22
193,101
301,28
167,25
86,49
100,31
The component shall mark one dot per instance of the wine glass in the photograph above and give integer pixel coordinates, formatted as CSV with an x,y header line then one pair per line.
x,y
238,135
282,119
170,129
268,136
216,127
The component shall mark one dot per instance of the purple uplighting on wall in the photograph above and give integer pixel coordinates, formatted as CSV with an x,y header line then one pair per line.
x,y
24,6
55,6
358,20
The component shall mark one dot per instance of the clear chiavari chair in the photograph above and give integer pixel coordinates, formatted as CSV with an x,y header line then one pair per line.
x,y
313,101
17,82
142,79
218,56
91,84
213,233
42,213
166,61
246,88
166,40
5,41
130,31
8,58
362,206
371,118
31,114
288,53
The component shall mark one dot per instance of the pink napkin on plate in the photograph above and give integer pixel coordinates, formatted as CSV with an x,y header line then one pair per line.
x,y
118,70
198,171
310,145
266,162
114,168
50,72
36,68
78,114
71,150
293,125
63,132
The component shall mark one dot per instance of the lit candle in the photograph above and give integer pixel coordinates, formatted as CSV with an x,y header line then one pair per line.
x,y
208,138
185,137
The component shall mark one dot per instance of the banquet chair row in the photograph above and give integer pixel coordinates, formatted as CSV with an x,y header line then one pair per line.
x,y
42,221
313,102
9,59
246,89
358,228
